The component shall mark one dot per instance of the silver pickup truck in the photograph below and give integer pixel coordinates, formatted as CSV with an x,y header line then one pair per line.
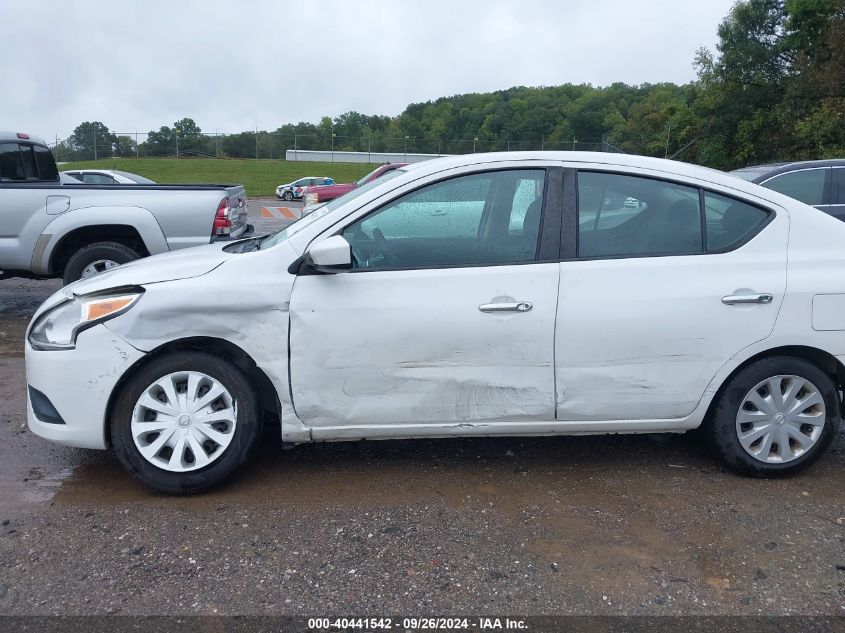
x,y
53,229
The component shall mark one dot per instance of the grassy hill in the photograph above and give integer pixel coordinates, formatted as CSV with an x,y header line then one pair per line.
x,y
260,177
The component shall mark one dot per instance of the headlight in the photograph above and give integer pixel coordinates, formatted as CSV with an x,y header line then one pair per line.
x,y
58,327
311,198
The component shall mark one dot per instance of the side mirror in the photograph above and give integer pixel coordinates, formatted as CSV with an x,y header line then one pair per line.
x,y
332,255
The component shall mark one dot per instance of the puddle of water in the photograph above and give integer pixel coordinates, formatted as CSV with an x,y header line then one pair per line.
x,y
41,486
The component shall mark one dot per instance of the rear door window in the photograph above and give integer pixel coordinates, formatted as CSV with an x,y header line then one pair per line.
x,y
805,185
625,216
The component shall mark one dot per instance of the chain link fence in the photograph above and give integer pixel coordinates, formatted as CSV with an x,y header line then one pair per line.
x,y
273,145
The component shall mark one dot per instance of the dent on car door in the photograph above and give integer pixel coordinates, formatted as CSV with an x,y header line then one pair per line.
x,y
645,320
447,315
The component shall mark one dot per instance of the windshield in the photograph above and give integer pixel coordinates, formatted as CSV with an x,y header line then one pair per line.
x,y
361,182
280,236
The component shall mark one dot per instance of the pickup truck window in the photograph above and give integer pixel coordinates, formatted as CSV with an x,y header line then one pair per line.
x,y
11,165
47,169
28,158
19,161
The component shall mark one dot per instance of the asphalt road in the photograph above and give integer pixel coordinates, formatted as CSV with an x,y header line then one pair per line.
x,y
591,525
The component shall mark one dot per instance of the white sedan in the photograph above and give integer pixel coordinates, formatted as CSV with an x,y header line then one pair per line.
x,y
108,177
479,295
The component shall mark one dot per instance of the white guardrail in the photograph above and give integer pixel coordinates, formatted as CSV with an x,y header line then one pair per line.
x,y
356,157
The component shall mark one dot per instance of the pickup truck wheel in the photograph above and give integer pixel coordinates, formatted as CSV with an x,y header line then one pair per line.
x,y
185,422
97,258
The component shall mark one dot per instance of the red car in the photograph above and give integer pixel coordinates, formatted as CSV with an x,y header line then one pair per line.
x,y
324,193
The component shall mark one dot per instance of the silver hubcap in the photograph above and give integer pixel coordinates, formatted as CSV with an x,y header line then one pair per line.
x,y
184,421
97,267
780,419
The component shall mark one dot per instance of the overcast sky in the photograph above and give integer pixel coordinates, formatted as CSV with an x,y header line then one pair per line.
x,y
237,65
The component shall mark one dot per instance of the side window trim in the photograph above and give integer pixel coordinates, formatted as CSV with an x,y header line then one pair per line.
x,y
572,220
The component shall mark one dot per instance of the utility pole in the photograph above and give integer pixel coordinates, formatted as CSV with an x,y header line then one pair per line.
x,y
216,144
177,147
95,144
369,148
333,135
256,142
668,129
295,155
542,143
137,155
474,140
406,148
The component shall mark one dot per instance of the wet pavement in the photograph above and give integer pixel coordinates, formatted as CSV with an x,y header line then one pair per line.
x,y
589,525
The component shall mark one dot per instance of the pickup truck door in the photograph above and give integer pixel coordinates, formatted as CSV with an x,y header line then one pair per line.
x,y
447,316
26,184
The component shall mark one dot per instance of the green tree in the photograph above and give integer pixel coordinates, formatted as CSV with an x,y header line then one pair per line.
x,y
92,139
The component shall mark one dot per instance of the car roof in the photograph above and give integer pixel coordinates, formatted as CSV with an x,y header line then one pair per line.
x,y
599,160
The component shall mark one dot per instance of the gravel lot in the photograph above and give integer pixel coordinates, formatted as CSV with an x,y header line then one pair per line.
x,y
595,525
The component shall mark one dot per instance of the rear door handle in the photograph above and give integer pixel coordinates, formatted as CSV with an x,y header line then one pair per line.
x,y
730,300
516,306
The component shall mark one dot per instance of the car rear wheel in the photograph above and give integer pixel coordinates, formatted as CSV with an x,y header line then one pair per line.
x,y
185,422
97,258
776,416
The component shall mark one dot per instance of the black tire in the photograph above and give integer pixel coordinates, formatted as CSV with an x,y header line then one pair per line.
x,y
287,195
243,444
89,254
722,422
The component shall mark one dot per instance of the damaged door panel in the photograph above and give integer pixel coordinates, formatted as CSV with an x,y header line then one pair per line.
x,y
412,347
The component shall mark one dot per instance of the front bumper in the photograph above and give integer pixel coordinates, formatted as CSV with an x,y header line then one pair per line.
x,y
78,383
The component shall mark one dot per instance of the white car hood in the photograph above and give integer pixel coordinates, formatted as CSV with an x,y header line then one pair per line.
x,y
182,264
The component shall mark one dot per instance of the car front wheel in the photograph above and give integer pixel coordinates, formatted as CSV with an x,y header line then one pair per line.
x,y
287,195
185,422
776,416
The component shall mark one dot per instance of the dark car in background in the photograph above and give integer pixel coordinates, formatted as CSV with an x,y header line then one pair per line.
x,y
819,183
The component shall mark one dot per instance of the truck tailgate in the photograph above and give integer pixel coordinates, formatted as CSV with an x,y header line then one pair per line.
x,y
237,204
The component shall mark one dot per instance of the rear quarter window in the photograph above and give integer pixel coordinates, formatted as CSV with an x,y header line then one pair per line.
x,y
730,222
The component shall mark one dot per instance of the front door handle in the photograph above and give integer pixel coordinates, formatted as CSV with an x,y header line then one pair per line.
x,y
516,306
730,300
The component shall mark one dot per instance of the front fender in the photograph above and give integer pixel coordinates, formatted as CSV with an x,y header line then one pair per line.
x,y
142,220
